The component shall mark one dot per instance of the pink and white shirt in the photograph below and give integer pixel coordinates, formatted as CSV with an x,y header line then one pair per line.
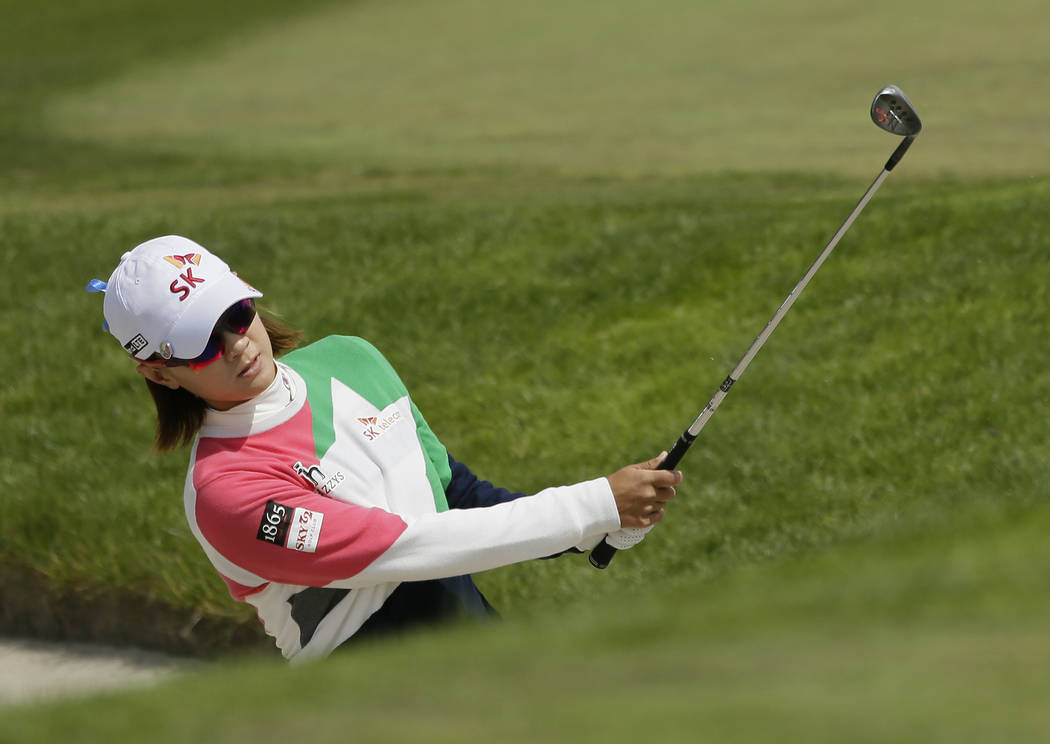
x,y
331,479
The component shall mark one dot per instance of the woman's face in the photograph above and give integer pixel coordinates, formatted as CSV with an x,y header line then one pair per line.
x,y
245,369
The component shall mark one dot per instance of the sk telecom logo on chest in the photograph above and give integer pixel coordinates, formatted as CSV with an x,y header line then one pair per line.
x,y
375,427
186,281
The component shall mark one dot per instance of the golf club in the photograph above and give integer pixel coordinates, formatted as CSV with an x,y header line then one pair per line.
x,y
891,110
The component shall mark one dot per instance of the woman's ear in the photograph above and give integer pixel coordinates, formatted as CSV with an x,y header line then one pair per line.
x,y
158,375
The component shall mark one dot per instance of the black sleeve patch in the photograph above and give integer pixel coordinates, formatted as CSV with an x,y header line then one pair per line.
x,y
274,525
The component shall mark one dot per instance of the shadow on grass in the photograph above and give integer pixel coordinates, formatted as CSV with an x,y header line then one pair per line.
x,y
32,607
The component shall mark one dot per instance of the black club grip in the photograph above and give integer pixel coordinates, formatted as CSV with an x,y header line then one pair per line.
x,y
603,552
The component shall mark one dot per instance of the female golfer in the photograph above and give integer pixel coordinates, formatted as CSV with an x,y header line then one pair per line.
x,y
315,486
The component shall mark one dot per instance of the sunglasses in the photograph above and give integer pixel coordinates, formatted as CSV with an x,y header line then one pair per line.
x,y
237,319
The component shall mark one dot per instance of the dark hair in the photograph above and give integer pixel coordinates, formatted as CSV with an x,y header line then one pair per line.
x,y
180,413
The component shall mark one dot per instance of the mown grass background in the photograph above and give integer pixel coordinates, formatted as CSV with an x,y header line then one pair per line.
x,y
563,223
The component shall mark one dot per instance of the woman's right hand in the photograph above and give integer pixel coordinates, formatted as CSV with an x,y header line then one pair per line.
x,y
641,491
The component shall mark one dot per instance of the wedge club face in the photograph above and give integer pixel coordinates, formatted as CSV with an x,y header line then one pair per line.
x,y
891,110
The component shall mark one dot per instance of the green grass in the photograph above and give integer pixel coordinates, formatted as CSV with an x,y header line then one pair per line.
x,y
560,341
563,247
909,641
593,85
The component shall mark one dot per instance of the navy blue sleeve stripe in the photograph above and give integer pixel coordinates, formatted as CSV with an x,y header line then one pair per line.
x,y
467,491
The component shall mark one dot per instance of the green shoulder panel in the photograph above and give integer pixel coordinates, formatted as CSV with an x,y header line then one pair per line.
x,y
359,365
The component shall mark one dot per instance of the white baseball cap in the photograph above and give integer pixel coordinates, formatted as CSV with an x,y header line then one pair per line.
x,y
166,295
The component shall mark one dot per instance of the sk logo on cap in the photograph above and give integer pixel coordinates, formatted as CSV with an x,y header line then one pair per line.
x,y
179,261
189,281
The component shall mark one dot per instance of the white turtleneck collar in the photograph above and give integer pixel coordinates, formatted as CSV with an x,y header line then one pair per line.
x,y
272,407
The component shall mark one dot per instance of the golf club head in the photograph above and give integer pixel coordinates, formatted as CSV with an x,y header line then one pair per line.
x,y
891,110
